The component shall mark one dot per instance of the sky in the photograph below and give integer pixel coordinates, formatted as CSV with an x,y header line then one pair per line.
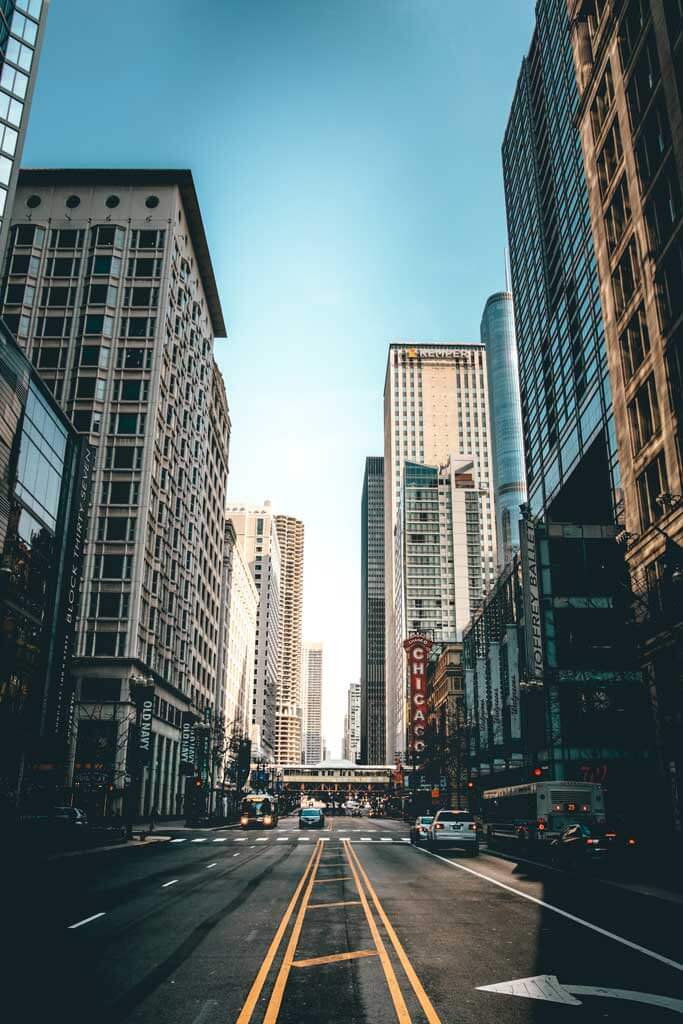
x,y
346,154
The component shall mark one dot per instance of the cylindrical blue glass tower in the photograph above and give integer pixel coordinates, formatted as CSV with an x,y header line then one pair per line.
x,y
505,413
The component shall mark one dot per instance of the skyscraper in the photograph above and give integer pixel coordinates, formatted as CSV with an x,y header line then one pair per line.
x,y
351,742
288,712
110,288
373,697
258,540
22,25
435,409
572,472
628,60
507,442
237,639
311,695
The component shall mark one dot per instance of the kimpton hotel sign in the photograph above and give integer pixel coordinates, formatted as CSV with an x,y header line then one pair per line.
x,y
417,651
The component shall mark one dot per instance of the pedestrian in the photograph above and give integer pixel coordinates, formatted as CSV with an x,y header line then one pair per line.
x,y
153,815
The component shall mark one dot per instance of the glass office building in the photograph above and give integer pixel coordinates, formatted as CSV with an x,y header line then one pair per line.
x,y
372,680
44,489
569,438
22,24
509,482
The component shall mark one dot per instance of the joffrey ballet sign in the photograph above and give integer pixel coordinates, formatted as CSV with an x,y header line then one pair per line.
x,y
417,650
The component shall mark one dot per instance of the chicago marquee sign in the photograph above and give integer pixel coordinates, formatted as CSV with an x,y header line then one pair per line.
x,y
417,649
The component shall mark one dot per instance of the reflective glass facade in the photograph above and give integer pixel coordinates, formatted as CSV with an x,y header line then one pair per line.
x,y
39,459
372,614
569,438
21,29
509,481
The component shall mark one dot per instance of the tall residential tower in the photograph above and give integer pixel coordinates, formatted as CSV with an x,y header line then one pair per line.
x,y
288,712
435,413
311,694
257,537
373,697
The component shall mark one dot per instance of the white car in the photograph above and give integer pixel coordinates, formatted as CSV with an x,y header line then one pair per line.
x,y
454,829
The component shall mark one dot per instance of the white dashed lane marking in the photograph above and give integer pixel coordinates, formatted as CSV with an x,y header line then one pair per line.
x,y
172,882
87,920
199,840
179,840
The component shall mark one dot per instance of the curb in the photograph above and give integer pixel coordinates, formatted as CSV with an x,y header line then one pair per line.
x,y
133,844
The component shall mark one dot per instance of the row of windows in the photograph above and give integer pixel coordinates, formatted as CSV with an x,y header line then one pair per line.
x,y
101,235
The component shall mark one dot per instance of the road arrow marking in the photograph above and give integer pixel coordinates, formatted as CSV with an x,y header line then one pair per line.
x,y
547,987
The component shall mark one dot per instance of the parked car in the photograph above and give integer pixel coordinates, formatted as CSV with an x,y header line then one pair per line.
x,y
583,844
311,817
419,830
455,829
73,817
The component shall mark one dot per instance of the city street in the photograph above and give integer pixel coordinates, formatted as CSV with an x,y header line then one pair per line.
x,y
348,924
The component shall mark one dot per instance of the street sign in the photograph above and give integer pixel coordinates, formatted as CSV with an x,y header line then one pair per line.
x,y
548,988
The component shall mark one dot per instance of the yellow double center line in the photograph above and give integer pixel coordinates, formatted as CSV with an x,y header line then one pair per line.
x,y
422,997
365,890
260,979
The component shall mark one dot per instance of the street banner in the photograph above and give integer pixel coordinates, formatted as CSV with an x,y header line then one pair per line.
x,y
496,694
59,701
144,699
513,683
532,599
417,650
470,710
187,744
484,700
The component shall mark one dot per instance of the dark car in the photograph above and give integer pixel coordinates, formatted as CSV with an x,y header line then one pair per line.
x,y
311,817
419,830
72,817
585,844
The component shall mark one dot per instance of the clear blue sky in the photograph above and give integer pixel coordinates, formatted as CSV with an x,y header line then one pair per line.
x,y
347,159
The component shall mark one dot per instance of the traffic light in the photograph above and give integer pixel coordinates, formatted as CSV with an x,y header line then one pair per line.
x,y
537,772
110,787
470,785
198,783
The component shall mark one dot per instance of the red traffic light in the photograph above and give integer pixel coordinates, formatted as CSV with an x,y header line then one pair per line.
x,y
197,782
470,785
537,772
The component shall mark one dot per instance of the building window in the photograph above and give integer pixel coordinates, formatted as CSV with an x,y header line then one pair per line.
x,y
635,343
609,157
644,415
652,143
101,266
618,215
663,211
626,278
602,102
108,235
651,483
630,28
669,286
643,80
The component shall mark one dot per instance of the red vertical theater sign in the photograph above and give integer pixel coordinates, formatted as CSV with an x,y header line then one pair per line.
x,y
417,649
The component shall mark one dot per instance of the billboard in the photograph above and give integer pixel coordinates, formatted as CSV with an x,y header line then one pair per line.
x,y
417,650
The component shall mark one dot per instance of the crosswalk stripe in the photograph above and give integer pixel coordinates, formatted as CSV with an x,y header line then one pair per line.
x,y
282,839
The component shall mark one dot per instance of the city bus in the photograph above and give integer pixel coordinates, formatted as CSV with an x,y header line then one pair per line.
x,y
259,810
539,811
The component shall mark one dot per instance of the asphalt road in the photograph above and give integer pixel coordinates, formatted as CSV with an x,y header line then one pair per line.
x,y
347,926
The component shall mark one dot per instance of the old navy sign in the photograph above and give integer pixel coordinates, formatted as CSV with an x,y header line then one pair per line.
x,y
187,744
145,702
417,650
